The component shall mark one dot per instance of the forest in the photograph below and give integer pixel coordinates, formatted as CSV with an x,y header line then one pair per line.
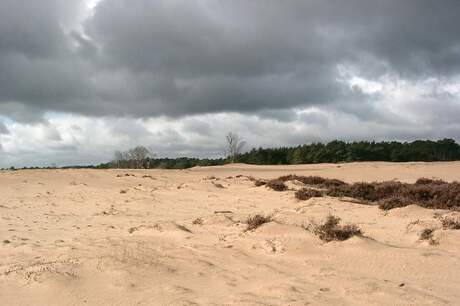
x,y
333,152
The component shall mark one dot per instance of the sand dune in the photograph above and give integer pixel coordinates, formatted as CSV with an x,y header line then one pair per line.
x,y
167,237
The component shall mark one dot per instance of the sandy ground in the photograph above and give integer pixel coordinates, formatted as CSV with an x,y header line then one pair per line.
x,y
76,237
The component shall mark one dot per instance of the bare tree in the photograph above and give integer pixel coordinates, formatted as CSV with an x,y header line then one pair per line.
x,y
234,146
134,157
118,158
138,154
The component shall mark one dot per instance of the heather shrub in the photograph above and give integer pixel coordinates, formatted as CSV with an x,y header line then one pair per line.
x,y
361,191
427,181
339,191
426,234
445,196
333,183
258,183
393,202
256,221
276,185
449,223
307,193
420,193
428,193
198,221
389,189
312,180
331,230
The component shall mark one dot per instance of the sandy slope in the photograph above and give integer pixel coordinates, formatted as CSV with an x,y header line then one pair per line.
x,y
76,237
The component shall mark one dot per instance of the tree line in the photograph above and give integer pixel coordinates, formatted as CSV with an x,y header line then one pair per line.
x,y
333,152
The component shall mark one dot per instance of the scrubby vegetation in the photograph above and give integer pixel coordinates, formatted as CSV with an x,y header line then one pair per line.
x,y
259,183
308,193
331,230
312,180
393,202
256,221
427,181
198,221
450,223
427,234
428,193
277,185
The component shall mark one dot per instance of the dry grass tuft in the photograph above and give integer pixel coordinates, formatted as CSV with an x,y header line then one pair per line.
x,y
258,183
198,221
307,193
427,234
450,223
256,221
277,185
132,229
331,230
312,180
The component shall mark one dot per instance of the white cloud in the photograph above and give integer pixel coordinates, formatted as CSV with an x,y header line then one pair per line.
x,y
67,139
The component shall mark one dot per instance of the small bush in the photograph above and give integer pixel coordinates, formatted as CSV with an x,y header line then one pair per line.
x,y
307,193
331,230
393,202
389,189
256,221
277,185
361,191
312,180
198,221
339,191
333,183
290,177
258,183
449,223
420,193
426,234
427,181
445,196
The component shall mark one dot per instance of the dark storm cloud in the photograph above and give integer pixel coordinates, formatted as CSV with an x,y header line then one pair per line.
x,y
147,58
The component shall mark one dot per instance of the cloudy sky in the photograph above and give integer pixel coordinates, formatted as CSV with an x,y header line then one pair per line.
x,y
80,79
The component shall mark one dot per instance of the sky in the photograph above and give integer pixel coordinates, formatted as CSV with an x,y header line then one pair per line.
x,y
81,79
